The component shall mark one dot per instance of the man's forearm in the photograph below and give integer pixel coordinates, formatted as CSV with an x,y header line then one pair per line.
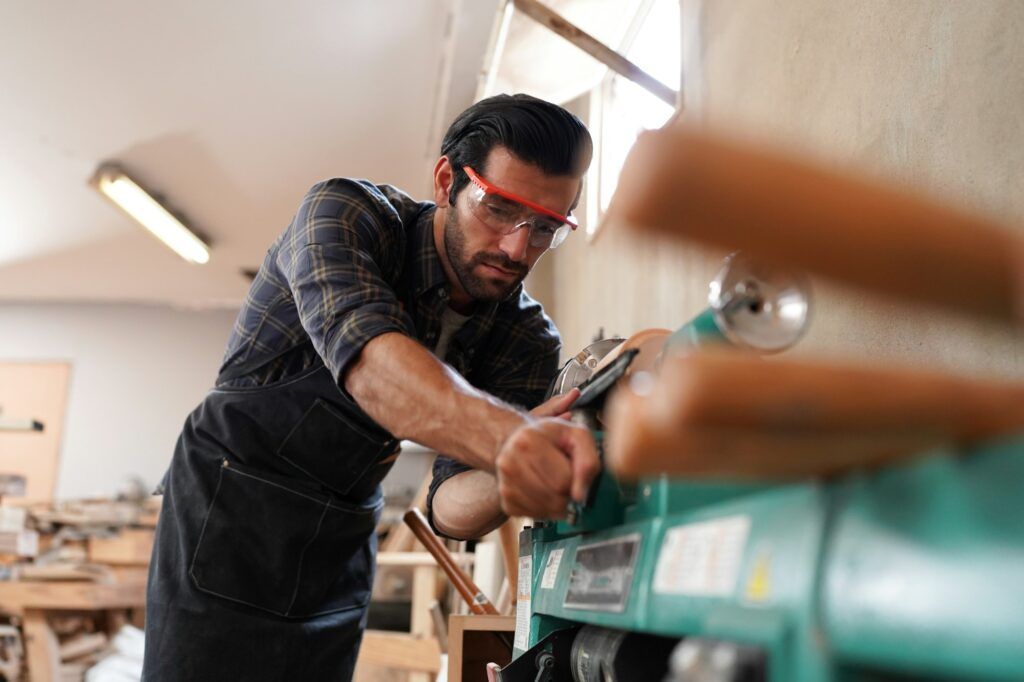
x,y
412,394
467,505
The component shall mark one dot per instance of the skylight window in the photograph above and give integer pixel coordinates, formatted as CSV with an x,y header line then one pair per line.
x,y
622,109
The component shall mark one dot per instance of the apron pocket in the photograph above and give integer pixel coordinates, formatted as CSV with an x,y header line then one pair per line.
x,y
276,546
332,449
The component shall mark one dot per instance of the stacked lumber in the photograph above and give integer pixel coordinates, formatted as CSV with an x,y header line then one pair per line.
x,y
47,549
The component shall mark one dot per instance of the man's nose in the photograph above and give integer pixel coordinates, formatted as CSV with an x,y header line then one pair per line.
x,y
514,245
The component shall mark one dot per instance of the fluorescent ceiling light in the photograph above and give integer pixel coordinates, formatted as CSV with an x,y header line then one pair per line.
x,y
20,425
148,212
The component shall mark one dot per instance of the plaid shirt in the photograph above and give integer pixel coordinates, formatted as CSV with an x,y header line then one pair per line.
x,y
359,260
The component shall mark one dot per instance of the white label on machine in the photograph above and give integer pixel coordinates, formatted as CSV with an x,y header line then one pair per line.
x,y
702,559
523,591
551,569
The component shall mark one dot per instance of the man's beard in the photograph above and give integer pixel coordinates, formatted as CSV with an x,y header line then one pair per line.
x,y
478,288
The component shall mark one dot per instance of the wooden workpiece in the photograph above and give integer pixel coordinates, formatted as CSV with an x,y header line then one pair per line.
x,y
703,186
130,547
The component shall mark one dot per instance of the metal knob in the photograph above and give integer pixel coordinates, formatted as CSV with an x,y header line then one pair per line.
x,y
760,306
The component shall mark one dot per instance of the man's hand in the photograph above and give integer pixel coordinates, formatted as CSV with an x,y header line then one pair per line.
x,y
468,505
544,462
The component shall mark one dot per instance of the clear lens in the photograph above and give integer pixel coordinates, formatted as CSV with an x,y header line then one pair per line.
x,y
559,236
505,217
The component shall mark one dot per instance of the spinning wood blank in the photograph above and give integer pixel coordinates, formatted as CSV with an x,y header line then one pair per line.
x,y
803,217
648,341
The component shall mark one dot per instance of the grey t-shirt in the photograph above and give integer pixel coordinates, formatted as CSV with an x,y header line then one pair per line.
x,y
451,322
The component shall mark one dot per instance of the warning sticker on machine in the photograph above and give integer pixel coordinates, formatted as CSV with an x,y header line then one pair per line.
x,y
551,569
523,594
702,559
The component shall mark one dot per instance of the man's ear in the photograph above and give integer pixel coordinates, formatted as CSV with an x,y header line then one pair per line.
x,y
444,177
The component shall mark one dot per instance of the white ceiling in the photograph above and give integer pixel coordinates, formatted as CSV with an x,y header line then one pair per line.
x,y
231,110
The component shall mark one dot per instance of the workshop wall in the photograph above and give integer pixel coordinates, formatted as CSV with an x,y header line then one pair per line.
x,y
925,94
136,373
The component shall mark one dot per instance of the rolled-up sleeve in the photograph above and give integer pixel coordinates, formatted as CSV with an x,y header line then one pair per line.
x,y
334,257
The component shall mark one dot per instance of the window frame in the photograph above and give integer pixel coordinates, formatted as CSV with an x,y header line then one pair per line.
x,y
600,100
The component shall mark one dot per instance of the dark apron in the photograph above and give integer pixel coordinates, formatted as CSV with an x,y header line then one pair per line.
x,y
265,549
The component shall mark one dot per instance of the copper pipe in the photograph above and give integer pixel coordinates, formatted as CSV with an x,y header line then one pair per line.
x,y
475,598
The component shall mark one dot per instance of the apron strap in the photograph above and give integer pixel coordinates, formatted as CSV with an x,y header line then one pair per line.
x,y
253,364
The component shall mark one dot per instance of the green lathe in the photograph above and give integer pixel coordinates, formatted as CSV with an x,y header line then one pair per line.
x,y
912,571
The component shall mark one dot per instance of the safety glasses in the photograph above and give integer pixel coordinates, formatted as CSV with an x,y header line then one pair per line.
x,y
505,213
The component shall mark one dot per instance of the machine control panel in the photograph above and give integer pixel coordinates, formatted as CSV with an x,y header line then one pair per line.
x,y
602,574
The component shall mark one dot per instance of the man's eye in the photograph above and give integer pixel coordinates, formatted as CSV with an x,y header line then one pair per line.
x,y
498,211
544,228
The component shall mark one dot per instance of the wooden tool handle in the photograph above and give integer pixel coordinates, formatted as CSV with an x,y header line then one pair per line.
x,y
798,215
726,413
475,598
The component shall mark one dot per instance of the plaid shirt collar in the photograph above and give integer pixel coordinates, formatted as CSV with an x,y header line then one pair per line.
x,y
430,283
428,272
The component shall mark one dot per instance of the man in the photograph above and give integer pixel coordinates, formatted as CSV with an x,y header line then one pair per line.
x,y
373,318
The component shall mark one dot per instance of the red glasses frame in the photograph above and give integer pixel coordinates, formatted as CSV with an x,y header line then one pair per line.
x,y
492,189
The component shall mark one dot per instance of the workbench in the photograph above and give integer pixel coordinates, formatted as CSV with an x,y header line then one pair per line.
x,y
35,600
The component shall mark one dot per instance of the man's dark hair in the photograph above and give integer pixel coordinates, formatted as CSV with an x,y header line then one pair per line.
x,y
538,132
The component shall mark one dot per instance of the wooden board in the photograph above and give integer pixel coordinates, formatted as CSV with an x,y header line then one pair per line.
x,y
33,391
18,595
130,547
83,644
400,651
414,559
